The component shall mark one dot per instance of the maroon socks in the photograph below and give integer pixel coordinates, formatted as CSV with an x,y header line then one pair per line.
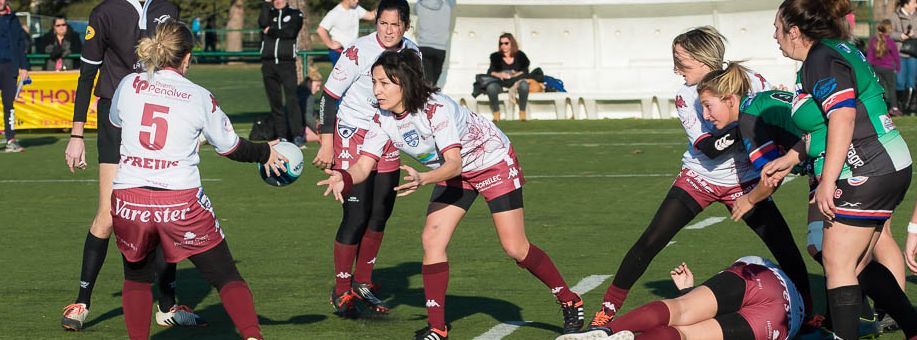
x,y
366,256
238,302
343,263
435,281
539,264
137,300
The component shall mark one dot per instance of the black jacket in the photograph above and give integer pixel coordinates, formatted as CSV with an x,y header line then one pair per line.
x,y
19,42
278,45
70,45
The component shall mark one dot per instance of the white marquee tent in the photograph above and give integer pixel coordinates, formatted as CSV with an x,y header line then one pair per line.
x,y
614,56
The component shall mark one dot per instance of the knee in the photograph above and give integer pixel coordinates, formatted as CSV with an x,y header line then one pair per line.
x,y
494,88
433,243
524,86
517,250
102,226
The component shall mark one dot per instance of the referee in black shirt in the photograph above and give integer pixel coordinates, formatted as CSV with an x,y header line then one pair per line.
x,y
115,27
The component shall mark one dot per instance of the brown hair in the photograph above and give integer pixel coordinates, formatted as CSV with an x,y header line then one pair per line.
x,y
166,48
816,19
405,69
705,44
882,31
722,83
513,45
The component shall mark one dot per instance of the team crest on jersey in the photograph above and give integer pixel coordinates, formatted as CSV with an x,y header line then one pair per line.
x,y
90,33
746,103
824,87
680,102
412,138
345,131
783,96
857,181
353,53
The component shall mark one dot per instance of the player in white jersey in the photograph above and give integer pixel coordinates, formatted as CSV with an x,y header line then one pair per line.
x,y
157,198
751,299
715,169
468,156
343,129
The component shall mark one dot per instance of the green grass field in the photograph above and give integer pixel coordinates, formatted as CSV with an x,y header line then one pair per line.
x,y
592,188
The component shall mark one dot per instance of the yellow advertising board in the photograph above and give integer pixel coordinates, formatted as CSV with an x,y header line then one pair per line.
x,y
47,103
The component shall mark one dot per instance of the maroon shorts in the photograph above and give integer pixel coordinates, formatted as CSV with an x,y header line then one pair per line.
x,y
494,181
348,142
766,301
706,193
182,221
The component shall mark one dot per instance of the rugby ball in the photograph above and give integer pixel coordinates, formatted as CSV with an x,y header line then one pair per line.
x,y
294,165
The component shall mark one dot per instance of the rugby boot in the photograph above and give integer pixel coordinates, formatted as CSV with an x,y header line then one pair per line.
x,y
13,146
74,316
430,333
179,315
364,292
573,314
343,304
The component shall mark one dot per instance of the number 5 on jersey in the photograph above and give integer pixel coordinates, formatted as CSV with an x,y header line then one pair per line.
x,y
154,119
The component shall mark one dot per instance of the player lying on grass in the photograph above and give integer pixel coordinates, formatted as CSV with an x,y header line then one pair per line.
x,y
752,299
468,156
768,129
157,198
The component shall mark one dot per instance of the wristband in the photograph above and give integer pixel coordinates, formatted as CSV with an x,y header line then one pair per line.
x,y
348,181
912,228
76,136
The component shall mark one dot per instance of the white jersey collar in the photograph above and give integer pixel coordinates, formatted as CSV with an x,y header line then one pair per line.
x,y
141,11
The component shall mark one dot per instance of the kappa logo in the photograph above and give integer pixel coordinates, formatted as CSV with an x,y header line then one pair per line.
x,y
345,131
432,304
343,275
189,235
140,84
513,172
761,79
345,155
556,290
373,261
84,284
353,53
430,109
162,18
412,138
609,306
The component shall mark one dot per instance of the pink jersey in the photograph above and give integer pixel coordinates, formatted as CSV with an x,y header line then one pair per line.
x,y
352,82
441,125
726,170
161,119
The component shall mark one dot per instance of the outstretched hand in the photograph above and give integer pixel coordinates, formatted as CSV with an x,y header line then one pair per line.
x,y
334,183
682,276
413,182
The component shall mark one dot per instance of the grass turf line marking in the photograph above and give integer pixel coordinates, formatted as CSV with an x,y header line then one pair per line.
x,y
709,221
600,176
504,329
18,181
615,132
669,244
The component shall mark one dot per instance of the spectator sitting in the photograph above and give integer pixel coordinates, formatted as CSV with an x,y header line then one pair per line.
x,y
511,67
343,25
59,42
882,54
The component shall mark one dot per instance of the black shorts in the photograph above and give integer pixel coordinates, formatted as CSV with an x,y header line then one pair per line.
x,y
463,198
109,138
869,201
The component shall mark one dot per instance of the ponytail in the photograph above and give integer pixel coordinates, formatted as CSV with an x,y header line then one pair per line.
x,y
168,46
882,32
722,83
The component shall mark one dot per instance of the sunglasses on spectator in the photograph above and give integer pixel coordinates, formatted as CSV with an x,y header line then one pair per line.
x,y
60,25
504,43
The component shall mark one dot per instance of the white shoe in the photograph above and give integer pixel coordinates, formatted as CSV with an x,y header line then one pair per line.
x,y
179,315
74,316
595,334
622,335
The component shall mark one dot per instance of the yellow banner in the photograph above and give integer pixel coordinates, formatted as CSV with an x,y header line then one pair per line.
x,y
47,103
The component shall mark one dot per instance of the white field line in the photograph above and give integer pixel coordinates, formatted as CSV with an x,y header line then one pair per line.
x,y
504,329
18,181
595,145
602,176
670,243
709,221
609,132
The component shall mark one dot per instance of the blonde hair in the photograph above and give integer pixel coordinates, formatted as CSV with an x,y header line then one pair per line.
x,y
168,46
722,83
705,44
314,74
882,32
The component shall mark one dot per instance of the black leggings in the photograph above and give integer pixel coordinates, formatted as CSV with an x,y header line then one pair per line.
x,y
216,266
678,208
369,205
729,290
